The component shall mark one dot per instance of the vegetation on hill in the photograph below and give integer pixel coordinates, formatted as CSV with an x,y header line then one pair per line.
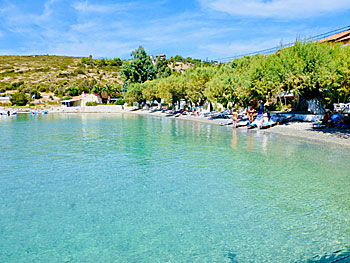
x,y
57,76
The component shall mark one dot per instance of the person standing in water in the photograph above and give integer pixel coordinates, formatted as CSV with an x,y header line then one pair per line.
x,y
234,118
251,112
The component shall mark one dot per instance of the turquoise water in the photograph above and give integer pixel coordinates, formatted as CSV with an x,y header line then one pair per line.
x,y
128,188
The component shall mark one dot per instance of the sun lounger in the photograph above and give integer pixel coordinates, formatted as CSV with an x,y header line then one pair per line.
x,y
256,122
318,125
272,122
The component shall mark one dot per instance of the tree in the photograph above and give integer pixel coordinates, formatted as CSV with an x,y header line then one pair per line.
x,y
134,93
139,69
196,83
36,93
19,99
73,91
163,70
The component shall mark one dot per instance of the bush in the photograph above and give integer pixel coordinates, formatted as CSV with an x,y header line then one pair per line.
x,y
120,102
67,98
15,85
35,93
91,104
79,71
42,89
19,99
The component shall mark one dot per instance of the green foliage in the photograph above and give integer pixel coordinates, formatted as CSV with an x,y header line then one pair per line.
x,y
120,102
15,85
162,68
91,103
312,70
134,93
103,62
36,93
139,69
73,91
19,99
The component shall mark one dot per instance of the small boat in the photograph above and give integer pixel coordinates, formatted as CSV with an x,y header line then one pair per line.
x,y
33,112
44,112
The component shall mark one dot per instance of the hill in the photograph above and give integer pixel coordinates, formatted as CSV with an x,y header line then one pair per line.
x,y
55,74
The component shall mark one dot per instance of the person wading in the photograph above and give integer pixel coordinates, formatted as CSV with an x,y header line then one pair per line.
x,y
234,118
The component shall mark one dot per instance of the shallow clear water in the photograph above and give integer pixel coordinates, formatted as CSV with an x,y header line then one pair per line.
x,y
128,188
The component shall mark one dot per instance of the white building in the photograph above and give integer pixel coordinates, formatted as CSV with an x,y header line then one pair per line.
x,y
80,101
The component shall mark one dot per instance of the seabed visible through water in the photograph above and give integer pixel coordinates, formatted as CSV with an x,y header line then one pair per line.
x,y
128,188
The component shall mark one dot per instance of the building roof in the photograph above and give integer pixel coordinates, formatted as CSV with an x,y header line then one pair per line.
x,y
339,37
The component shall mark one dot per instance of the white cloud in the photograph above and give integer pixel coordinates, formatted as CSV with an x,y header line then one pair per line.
x,y
85,7
290,9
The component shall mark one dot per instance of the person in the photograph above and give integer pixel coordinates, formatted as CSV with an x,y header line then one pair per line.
x,y
327,119
194,110
265,119
251,112
261,107
268,114
234,118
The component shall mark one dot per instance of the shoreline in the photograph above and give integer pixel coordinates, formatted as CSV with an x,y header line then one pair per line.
x,y
297,130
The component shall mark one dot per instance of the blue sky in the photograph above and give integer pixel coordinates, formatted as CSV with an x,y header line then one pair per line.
x,y
196,28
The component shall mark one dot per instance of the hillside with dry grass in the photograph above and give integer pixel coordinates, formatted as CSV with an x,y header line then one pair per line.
x,y
55,76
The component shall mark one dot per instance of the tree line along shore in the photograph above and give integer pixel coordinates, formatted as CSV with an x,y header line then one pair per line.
x,y
310,71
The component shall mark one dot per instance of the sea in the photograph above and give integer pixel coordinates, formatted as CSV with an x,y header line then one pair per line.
x,y
131,188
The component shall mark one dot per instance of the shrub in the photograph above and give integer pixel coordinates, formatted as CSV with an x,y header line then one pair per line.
x,y
35,93
67,98
63,75
120,102
79,71
15,85
19,99
91,104
42,89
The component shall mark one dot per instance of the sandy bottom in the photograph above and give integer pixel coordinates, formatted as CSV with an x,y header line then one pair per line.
x,y
301,130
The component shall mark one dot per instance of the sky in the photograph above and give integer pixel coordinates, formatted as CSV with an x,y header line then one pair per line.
x,y
206,29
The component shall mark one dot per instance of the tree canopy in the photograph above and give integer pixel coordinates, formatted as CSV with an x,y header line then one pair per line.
x,y
312,70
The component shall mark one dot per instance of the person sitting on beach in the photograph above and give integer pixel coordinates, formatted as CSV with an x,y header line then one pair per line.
x,y
327,119
251,112
234,118
265,119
